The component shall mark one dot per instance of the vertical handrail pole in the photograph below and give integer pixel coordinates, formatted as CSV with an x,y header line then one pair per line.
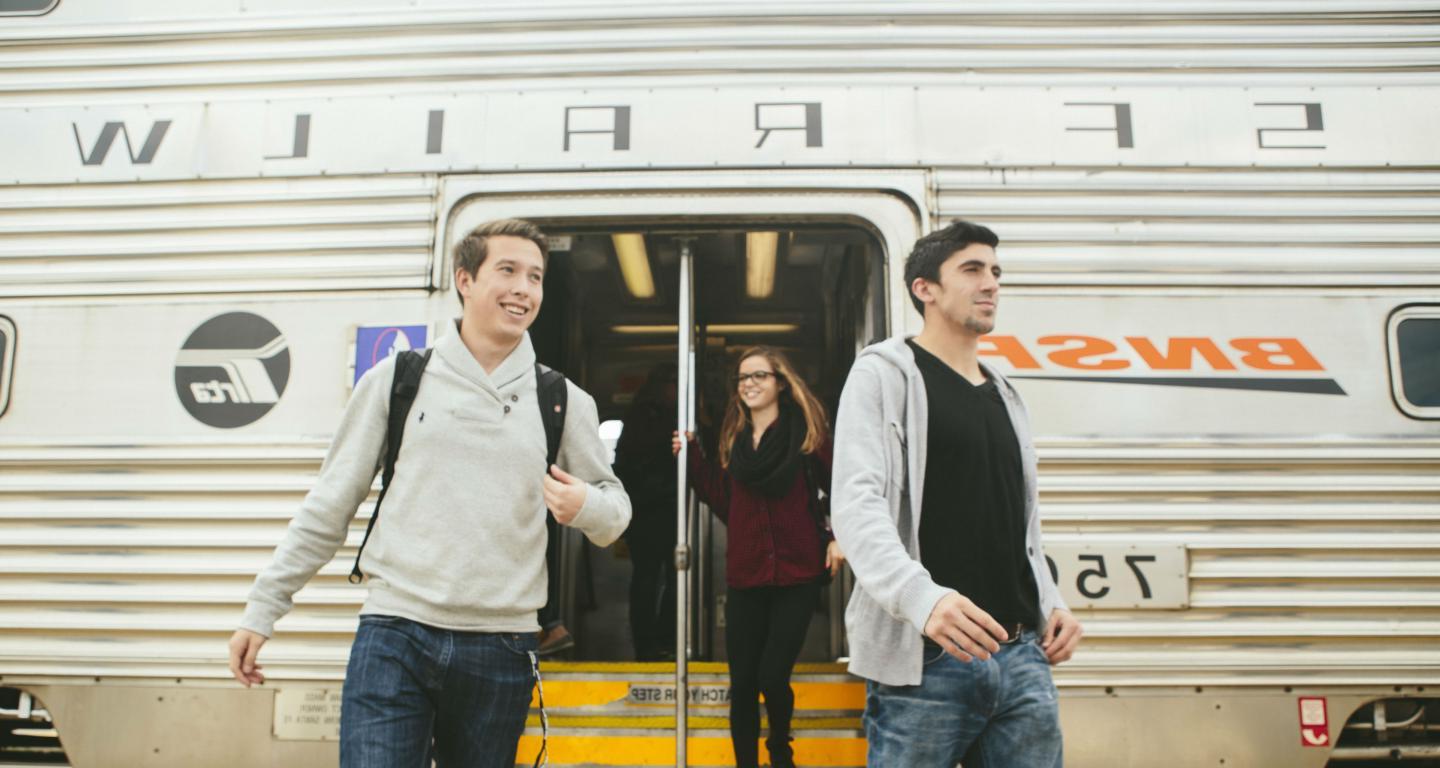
x,y
685,419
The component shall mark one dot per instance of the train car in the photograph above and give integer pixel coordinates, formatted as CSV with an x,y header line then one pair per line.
x,y
1221,238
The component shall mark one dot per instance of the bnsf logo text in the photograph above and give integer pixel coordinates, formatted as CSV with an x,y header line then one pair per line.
x,y
1259,363
1092,353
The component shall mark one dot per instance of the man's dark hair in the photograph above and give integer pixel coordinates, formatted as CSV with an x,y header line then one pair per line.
x,y
470,253
934,249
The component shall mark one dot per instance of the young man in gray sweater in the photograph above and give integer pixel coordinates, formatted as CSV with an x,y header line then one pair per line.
x,y
443,662
955,620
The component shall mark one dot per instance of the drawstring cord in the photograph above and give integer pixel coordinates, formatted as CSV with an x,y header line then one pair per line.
x,y
543,758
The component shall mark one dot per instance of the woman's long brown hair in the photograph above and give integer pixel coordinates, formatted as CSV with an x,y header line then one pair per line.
x,y
737,414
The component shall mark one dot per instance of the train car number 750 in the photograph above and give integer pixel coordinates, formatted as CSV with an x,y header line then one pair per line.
x,y
1120,575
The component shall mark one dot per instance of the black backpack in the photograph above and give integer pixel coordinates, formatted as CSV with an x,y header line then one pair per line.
x,y
409,365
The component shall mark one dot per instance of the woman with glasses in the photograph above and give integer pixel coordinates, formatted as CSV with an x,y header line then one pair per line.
x,y
767,485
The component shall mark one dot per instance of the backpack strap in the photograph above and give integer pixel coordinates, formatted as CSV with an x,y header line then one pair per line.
x,y
409,366
552,395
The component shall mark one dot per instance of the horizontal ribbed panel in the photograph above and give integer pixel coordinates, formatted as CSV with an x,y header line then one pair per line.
x,y
204,237
1306,563
1131,227
72,16
1309,564
653,42
632,65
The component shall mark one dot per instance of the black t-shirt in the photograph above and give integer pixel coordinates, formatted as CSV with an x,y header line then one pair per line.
x,y
972,516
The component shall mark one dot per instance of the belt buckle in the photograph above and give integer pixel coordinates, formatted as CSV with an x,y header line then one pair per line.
x,y
1016,631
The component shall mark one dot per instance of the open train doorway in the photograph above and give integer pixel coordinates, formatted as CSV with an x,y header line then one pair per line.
x,y
615,295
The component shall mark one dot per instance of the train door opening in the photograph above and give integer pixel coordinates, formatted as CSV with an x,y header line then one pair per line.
x,y
615,296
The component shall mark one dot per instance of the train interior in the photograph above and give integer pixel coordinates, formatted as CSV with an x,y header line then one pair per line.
x,y
614,299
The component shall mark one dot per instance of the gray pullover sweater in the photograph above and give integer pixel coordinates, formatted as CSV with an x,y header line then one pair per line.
x,y
879,471
460,543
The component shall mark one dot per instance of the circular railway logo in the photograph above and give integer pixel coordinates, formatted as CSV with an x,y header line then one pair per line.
x,y
232,370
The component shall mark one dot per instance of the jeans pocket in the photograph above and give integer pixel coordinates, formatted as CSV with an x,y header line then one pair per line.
x,y
933,653
1039,650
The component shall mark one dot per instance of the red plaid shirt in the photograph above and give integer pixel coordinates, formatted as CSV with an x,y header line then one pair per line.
x,y
772,542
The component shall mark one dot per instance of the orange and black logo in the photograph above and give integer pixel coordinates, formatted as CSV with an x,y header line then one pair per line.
x,y
1267,364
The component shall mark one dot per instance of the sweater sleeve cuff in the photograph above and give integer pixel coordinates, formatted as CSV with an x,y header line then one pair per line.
x,y
593,519
260,618
918,600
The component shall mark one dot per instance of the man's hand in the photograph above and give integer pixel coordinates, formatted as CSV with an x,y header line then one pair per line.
x,y
1062,634
244,646
564,494
962,629
834,558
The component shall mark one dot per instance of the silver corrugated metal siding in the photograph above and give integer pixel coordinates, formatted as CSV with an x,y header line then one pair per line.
x,y
203,237
1317,566
1319,561
134,562
1184,227
658,43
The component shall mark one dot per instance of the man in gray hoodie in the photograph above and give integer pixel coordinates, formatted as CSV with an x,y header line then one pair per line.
x,y
443,661
955,619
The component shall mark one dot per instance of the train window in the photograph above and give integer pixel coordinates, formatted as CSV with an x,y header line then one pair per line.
x,y
26,7
1415,361
7,361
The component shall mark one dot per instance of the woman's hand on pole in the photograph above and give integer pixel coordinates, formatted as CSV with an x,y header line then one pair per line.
x,y
834,558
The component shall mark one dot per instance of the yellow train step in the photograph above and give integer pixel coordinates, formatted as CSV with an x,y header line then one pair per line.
x,y
706,749
623,714
666,723
591,687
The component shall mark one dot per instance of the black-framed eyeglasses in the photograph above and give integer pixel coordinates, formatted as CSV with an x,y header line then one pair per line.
x,y
759,377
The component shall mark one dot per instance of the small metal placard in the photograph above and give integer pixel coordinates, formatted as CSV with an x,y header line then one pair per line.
x,y
307,714
1123,576
700,695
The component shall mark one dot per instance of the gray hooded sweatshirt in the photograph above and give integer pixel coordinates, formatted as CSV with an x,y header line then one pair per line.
x,y
879,479
460,543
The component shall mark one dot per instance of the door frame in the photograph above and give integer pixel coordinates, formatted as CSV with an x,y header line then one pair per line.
x,y
894,203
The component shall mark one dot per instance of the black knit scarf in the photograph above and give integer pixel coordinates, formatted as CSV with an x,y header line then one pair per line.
x,y
770,468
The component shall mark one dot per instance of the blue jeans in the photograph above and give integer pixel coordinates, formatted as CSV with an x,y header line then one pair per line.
x,y
413,692
1000,713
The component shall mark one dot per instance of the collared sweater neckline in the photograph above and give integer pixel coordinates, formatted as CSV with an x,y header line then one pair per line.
x,y
519,363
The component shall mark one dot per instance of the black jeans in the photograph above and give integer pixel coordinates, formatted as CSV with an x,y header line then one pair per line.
x,y
764,632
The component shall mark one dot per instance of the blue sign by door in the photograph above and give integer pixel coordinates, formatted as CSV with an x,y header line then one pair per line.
x,y
374,343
